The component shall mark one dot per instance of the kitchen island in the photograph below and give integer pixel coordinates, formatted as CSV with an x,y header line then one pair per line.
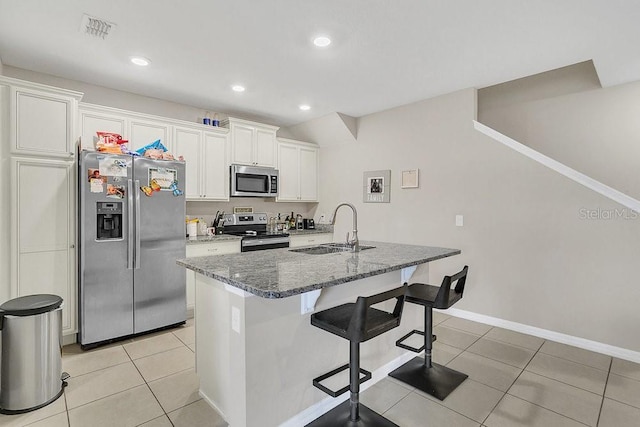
x,y
256,352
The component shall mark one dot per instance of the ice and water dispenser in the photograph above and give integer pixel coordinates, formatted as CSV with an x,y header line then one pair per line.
x,y
109,220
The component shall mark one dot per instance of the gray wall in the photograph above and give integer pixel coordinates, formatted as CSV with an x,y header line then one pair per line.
x,y
533,258
101,95
566,115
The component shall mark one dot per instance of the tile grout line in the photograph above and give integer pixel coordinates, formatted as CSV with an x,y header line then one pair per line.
x,y
514,381
535,404
150,390
606,383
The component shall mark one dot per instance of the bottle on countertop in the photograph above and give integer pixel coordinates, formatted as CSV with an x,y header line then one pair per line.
x,y
292,222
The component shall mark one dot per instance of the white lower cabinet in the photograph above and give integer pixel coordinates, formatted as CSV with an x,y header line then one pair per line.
x,y
310,239
43,232
206,249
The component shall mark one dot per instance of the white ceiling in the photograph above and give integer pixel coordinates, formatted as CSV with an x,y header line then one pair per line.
x,y
384,53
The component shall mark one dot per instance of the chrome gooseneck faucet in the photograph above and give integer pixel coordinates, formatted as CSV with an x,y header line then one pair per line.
x,y
353,242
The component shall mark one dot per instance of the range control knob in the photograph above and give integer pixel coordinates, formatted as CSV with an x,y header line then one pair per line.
x,y
263,218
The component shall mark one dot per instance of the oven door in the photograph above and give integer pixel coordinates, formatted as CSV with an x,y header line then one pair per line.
x,y
259,244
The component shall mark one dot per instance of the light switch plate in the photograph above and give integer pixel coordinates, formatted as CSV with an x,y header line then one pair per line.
x,y
459,220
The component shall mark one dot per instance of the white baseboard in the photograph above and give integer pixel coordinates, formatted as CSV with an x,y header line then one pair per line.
x,y
598,347
327,404
213,405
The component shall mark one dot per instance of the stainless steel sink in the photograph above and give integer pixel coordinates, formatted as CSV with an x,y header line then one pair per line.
x,y
329,248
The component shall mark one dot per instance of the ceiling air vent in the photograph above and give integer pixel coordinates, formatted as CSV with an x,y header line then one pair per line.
x,y
96,27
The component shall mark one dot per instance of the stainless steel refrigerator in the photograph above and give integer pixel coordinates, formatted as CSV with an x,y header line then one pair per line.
x,y
131,231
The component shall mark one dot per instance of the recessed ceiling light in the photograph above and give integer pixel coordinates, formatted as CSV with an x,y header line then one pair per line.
x,y
141,61
305,107
322,41
237,88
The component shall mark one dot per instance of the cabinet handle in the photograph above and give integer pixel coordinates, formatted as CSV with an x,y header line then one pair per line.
x,y
72,246
212,250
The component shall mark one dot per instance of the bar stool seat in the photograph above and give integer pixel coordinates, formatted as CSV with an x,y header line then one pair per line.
x,y
356,322
432,378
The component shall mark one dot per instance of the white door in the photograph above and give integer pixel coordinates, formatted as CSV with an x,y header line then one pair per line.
x,y
215,167
43,232
187,144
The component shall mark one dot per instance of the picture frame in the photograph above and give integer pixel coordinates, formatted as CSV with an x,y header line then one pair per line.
x,y
376,186
410,178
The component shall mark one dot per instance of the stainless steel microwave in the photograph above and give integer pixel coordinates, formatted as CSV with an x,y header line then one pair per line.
x,y
253,181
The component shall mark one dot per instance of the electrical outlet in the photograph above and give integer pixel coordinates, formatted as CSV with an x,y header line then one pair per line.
x,y
459,220
323,218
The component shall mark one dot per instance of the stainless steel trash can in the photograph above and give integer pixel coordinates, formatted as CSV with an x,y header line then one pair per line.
x,y
30,353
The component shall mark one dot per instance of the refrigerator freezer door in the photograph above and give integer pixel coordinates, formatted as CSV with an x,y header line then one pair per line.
x,y
160,288
105,273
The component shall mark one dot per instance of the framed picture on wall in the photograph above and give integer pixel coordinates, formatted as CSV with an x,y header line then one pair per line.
x,y
410,178
377,186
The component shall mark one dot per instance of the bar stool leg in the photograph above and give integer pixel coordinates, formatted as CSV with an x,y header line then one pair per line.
x,y
354,381
428,336
432,378
351,413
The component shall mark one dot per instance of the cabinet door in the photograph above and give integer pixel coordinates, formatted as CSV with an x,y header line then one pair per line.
x,y
142,132
288,170
215,168
308,174
242,137
187,144
42,123
265,147
43,232
92,122
206,249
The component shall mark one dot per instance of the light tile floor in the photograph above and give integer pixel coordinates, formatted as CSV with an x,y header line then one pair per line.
x,y
514,380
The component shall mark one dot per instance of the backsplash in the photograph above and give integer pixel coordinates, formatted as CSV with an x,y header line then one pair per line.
x,y
207,210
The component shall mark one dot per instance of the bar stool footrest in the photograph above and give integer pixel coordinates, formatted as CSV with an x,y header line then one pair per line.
x,y
437,381
336,393
400,343
339,416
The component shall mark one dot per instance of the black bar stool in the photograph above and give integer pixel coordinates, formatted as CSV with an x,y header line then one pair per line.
x,y
357,323
436,380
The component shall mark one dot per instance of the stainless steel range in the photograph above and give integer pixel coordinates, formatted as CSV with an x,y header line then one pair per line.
x,y
253,229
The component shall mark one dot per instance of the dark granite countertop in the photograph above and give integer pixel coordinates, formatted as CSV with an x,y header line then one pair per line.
x,y
280,273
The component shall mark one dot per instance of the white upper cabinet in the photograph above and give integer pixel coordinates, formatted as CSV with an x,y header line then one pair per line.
x,y
43,121
298,166
205,154
187,144
252,143
93,121
144,132
215,181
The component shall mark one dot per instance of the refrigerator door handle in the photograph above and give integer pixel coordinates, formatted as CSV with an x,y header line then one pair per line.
x,y
137,255
129,224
